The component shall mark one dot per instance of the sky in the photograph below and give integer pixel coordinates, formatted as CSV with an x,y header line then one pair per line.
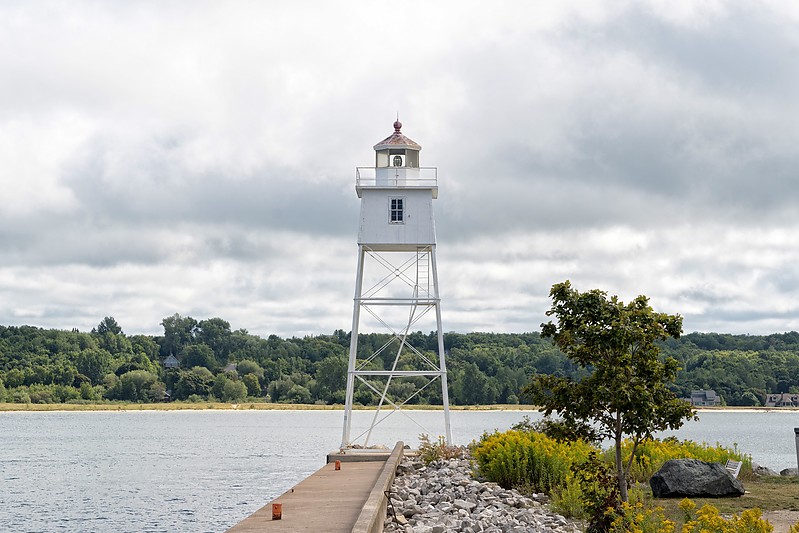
x,y
199,157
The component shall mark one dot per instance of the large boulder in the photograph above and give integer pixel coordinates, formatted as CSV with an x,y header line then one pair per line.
x,y
694,479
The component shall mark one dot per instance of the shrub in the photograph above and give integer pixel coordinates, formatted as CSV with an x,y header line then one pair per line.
x,y
528,460
600,490
651,454
433,451
635,518
568,499
708,520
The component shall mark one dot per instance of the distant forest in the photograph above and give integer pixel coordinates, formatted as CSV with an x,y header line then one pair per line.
x,y
218,363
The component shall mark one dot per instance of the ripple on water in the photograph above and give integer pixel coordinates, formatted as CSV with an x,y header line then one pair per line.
x,y
205,471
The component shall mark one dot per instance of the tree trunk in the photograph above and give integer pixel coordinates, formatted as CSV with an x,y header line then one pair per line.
x,y
620,470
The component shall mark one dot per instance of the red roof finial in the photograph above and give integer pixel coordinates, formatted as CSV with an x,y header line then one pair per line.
x,y
397,125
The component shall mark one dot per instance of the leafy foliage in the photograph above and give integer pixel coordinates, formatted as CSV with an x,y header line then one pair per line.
x,y
626,391
527,460
650,455
600,489
636,518
708,520
484,368
434,451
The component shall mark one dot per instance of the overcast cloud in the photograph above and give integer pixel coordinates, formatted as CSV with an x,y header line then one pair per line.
x,y
198,157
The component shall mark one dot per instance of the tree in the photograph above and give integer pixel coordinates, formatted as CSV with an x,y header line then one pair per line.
x,y
198,380
134,386
94,363
215,333
331,376
178,332
198,355
253,386
249,367
626,391
108,325
234,391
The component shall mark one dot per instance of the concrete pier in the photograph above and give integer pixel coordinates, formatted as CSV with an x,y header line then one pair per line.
x,y
336,501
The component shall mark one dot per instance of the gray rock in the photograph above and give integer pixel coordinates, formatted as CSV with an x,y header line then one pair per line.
x,y
789,472
763,471
444,497
694,478
463,504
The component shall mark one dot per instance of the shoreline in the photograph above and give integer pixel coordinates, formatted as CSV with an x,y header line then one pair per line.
x,y
263,406
245,406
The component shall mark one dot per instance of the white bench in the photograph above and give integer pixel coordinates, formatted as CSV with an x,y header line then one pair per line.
x,y
734,467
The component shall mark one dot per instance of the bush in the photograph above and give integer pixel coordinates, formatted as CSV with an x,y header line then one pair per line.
x,y
527,460
708,520
651,454
568,500
635,518
433,451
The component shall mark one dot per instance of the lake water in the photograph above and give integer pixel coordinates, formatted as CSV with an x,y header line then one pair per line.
x,y
193,471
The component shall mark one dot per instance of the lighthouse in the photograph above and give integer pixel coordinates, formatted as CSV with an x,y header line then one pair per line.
x,y
396,291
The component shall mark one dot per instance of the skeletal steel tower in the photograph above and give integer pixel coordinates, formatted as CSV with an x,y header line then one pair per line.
x,y
396,288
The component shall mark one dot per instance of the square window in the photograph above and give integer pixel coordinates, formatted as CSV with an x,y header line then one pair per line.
x,y
396,211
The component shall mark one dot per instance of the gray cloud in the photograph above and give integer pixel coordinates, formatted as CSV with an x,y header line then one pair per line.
x,y
159,158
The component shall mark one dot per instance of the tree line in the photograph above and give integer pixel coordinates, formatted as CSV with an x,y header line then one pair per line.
x,y
219,363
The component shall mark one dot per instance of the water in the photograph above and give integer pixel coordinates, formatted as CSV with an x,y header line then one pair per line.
x,y
194,471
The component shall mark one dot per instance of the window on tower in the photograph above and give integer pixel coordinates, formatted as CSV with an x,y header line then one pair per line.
x,y
396,211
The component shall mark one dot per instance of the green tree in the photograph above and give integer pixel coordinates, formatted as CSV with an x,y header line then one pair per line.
x,y
108,325
143,344
94,363
197,381
216,334
218,388
298,394
249,367
234,391
134,386
626,392
331,376
198,355
279,389
178,332
253,386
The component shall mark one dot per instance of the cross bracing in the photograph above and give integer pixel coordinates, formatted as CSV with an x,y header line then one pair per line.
x,y
397,289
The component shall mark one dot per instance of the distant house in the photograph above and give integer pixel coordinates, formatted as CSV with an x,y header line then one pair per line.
x,y
171,362
230,368
784,399
705,398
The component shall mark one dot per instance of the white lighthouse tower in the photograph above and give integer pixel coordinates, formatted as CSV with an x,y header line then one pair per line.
x,y
396,288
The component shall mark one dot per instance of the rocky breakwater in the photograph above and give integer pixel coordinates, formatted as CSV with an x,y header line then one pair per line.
x,y
444,497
